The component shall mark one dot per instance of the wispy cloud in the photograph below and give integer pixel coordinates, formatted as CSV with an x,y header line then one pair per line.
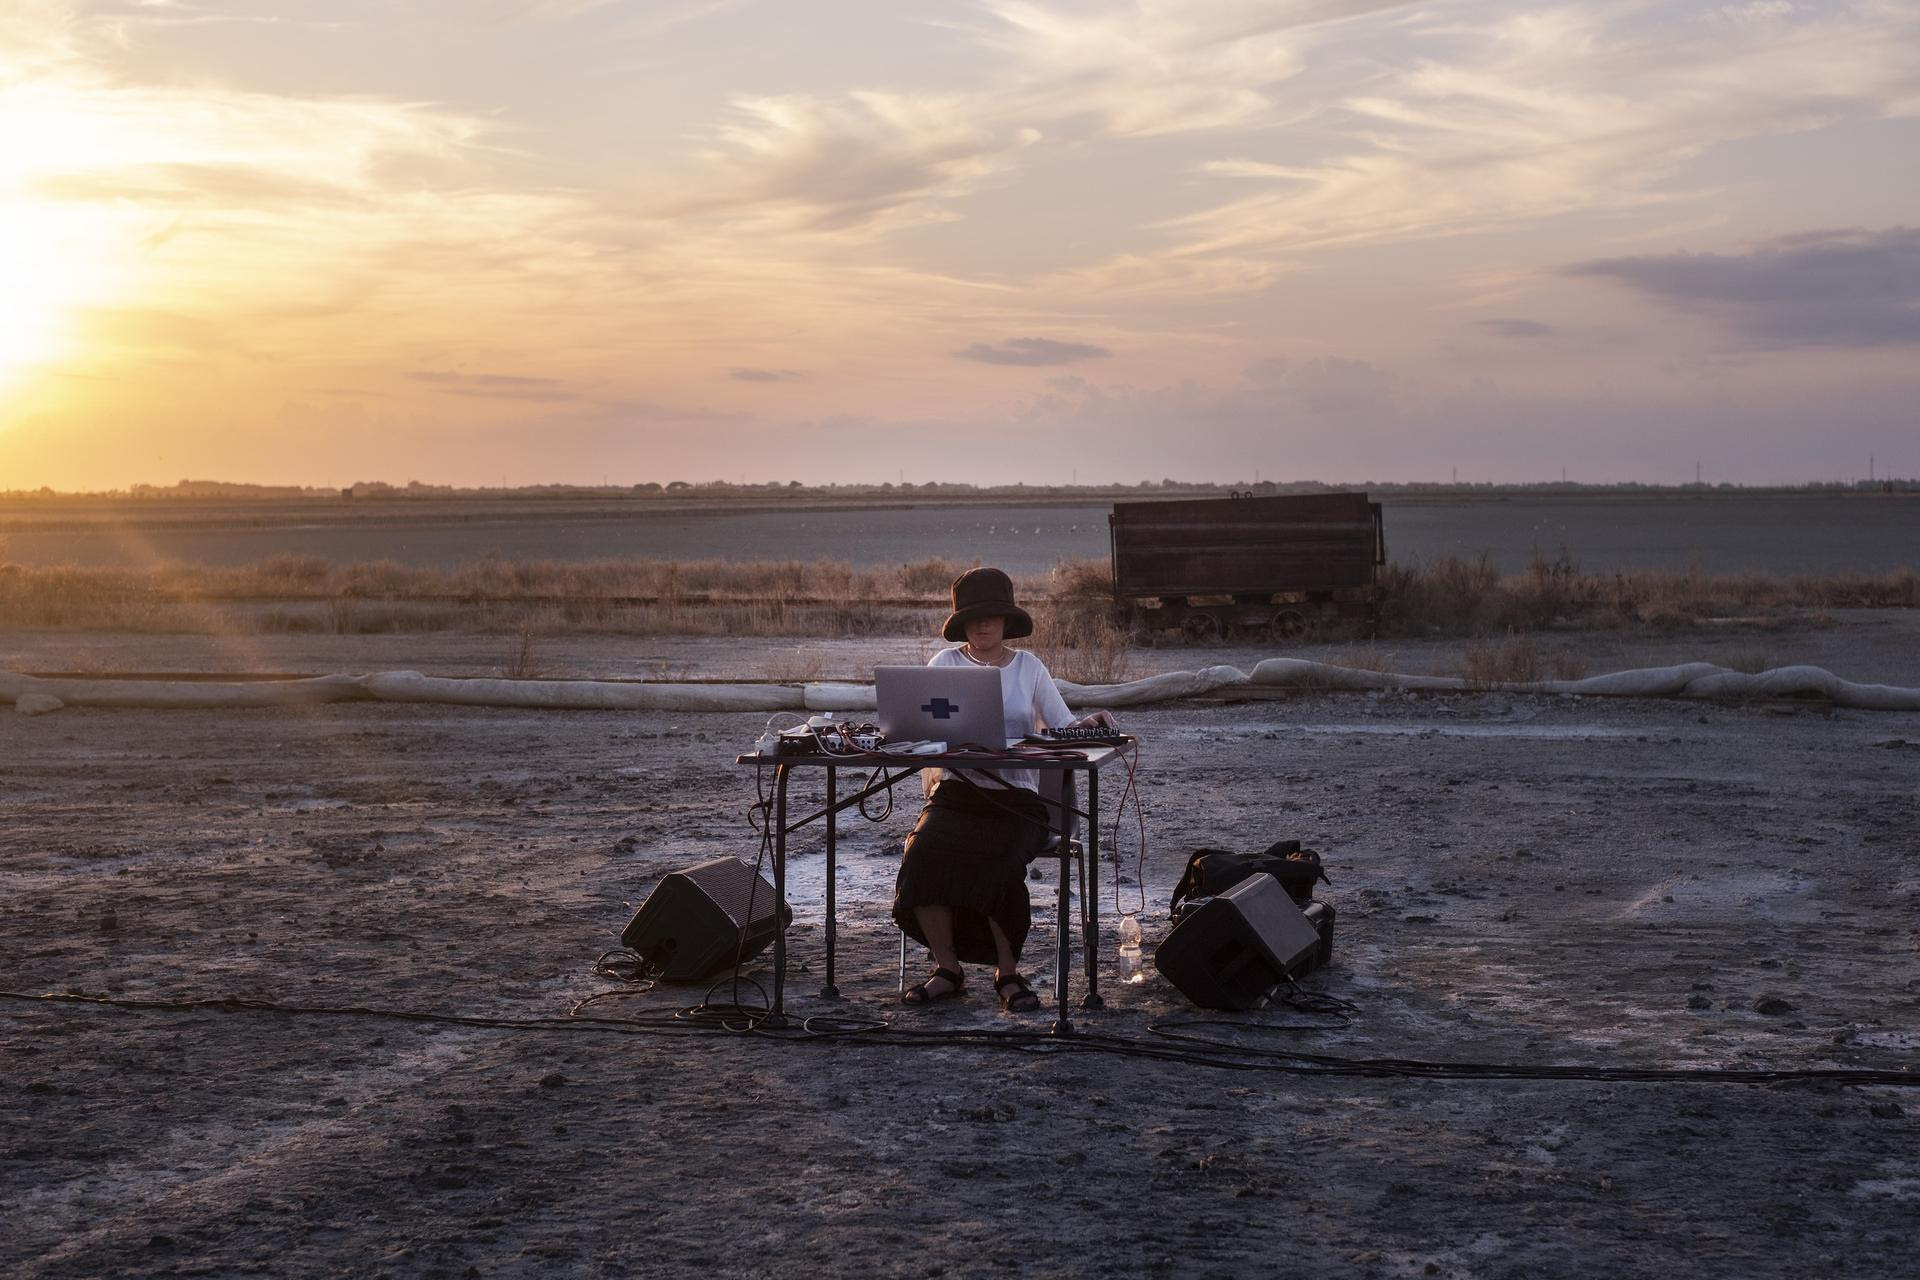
x,y
497,386
743,374
36,37
1146,69
1456,119
1033,352
1511,327
1488,123
117,18
871,161
875,160
166,183
654,18
1825,288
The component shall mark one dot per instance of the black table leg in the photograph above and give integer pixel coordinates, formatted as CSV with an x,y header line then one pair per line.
x,y
830,991
1061,966
778,1016
1090,894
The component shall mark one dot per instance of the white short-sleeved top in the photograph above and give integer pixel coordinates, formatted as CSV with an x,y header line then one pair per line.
x,y
1030,701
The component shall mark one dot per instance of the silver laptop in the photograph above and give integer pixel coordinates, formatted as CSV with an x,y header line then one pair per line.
x,y
954,705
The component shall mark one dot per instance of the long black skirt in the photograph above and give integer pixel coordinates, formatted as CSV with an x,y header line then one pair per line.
x,y
969,851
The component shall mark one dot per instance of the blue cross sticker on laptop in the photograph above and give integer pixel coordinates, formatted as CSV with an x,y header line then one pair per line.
x,y
940,708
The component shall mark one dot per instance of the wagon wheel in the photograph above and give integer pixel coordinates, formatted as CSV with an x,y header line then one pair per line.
x,y
1201,628
1288,624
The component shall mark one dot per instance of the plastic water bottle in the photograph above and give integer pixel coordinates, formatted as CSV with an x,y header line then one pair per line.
x,y
1130,947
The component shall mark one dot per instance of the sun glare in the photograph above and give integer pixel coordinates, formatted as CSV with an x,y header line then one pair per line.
x,y
54,262
56,256
30,292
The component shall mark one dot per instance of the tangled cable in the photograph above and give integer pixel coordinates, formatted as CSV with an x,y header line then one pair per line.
x,y
623,964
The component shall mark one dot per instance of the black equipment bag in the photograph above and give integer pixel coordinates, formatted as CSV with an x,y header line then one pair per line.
x,y
1211,872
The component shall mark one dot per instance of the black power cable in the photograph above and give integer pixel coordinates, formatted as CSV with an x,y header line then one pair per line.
x,y
1169,1042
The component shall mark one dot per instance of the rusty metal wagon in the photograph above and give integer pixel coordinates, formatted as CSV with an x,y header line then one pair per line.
x,y
1251,567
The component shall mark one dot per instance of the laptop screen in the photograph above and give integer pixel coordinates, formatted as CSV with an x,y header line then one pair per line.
x,y
954,705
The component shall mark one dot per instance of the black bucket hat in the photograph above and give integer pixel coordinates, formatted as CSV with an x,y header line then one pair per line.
x,y
985,593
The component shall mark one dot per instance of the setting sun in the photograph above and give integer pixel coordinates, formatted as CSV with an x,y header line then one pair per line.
x,y
56,257
41,280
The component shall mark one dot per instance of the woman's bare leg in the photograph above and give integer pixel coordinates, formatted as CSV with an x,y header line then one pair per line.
x,y
1019,997
1009,962
937,924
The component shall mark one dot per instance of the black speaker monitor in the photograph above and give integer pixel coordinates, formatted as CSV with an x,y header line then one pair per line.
x,y
695,918
1234,949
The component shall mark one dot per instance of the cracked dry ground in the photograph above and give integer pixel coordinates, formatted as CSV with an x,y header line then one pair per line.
x,y
1519,880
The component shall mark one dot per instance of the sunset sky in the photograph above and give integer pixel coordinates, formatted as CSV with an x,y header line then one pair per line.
x,y
523,241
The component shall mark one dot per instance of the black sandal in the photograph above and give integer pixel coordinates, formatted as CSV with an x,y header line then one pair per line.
x,y
924,994
1020,998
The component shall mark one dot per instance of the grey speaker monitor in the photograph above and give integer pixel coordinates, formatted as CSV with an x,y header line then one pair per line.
x,y
1233,950
694,919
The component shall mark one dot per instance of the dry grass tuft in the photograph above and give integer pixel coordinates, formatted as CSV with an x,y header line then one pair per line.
x,y
797,667
289,621
1516,660
1568,665
1751,660
524,662
1451,596
1080,640
1496,663
303,572
1074,579
932,578
1448,596
1362,657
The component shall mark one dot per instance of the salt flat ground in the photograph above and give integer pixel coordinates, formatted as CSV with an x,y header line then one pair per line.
x,y
1519,880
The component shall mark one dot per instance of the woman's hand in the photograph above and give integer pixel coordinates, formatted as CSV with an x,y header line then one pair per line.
x,y
1104,719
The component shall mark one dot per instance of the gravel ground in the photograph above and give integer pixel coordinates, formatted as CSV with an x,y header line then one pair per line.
x,y
1519,880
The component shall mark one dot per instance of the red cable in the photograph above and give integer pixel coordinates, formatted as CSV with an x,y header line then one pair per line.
x,y
1119,811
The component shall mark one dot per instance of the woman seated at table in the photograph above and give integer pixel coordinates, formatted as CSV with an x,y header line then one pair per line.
x,y
962,887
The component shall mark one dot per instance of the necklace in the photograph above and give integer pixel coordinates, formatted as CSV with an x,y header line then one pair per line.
x,y
967,648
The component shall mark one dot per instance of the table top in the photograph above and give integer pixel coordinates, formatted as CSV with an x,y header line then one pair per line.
x,y
1088,756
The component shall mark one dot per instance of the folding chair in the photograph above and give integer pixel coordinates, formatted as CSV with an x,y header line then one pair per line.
x,y
1058,794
